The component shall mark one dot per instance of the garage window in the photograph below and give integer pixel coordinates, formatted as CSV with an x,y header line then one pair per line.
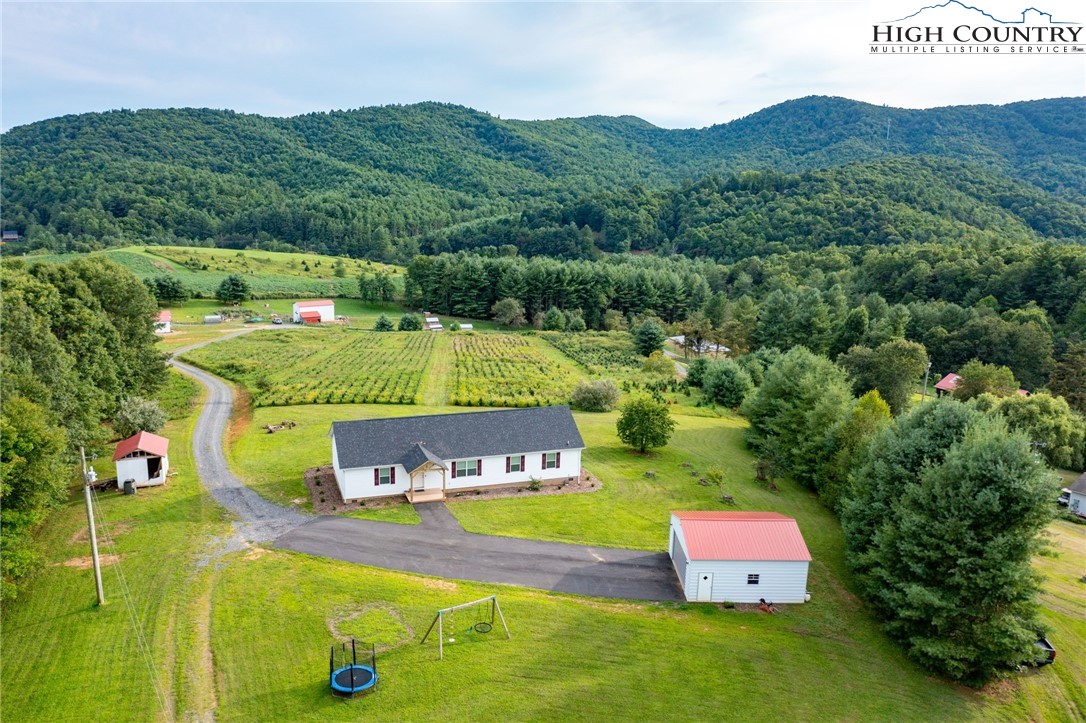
x,y
752,579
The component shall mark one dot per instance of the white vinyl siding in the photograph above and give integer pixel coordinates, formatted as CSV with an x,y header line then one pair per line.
x,y
778,581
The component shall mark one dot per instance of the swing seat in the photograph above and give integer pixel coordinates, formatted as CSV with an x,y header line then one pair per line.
x,y
482,627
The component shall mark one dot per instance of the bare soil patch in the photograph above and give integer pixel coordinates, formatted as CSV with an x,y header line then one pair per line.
x,y
113,529
85,563
344,617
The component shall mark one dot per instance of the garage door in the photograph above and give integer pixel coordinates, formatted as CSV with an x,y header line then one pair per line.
x,y
679,557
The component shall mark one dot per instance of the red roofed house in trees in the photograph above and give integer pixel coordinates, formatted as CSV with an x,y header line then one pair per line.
x,y
142,457
950,382
314,312
162,324
739,556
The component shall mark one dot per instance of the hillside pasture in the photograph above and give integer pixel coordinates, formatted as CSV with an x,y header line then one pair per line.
x,y
321,366
508,370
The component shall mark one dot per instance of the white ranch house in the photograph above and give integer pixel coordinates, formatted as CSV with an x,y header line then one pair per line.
x,y
739,557
142,457
317,311
425,457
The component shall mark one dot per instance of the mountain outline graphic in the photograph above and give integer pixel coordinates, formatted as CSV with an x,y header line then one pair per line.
x,y
986,14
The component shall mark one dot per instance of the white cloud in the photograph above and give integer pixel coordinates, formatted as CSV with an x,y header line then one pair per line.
x,y
675,64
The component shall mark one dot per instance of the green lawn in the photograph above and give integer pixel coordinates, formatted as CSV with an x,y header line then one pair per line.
x,y
63,658
569,658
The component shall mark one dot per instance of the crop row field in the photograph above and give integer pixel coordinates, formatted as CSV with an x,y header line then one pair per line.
x,y
508,370
326,366
601,353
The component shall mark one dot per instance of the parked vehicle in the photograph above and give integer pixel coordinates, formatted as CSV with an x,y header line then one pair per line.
x,y
1065,497
1043,653
277,320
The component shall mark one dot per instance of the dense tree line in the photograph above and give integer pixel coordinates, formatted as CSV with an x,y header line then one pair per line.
x,y
76,342
941,506
1018,305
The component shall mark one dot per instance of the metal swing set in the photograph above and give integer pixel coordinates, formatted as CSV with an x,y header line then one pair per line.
x,y
488,611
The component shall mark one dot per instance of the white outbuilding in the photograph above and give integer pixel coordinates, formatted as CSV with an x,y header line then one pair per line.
x,y
162,323
142,458
1076,502
314,312
739,557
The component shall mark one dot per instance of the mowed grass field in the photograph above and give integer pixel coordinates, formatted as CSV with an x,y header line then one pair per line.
x,y
63,658
270,274
246,637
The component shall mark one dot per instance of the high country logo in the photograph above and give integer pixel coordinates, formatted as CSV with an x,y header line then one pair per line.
x,y
955,27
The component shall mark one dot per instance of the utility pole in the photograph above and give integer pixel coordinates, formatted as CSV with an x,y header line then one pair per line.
x,y
88,479
927,371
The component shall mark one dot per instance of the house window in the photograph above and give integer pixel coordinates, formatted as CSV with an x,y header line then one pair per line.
x,y
752,579
552,460
514,464
384,476
470,468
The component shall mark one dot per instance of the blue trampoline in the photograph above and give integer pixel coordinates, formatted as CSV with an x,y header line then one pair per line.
x,y
346,676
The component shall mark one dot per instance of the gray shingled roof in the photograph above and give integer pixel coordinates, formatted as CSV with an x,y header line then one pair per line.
x,y
412,440
1079,485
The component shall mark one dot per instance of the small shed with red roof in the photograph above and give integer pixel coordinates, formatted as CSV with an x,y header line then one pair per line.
x,y
314,312
142,458
739,557
162,323
947,384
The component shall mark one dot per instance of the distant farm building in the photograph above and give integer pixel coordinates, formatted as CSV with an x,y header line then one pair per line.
x,y
1076,504
143,459
9,236
212,319
424,457
314,312
702,347
950,382
162,323
467,327
432,323
739,557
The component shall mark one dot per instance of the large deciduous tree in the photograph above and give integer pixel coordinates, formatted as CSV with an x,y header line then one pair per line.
x,y
979,378
894,369
645,423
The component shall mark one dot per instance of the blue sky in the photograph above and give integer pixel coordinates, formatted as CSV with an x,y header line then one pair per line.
x,y
675,64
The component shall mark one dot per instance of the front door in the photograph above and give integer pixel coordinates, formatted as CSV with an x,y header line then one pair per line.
x,y
705,587
420,481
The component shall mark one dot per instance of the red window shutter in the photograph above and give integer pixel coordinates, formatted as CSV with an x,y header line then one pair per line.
x,y
454,470
479,467
392,474
508,464
376,477
557,459
522,463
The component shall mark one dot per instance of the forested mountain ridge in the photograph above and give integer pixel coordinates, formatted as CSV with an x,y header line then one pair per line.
x,y
368,181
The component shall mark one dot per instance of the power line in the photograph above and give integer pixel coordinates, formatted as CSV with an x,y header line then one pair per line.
x,y
137,625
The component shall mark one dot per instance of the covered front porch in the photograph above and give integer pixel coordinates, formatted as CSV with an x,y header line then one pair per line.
x,y
428,481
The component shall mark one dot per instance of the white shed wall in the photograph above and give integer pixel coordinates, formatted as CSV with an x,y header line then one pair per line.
x,y
1077,503
136,468
327,311
779,582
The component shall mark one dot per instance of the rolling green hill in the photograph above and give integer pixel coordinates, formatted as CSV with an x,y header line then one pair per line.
x,y
369,182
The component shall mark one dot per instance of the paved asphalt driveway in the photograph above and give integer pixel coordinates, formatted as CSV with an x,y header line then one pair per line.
x,y
438,546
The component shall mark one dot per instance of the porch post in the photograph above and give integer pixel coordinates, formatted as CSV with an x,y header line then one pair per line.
x,y
411,487
442,483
